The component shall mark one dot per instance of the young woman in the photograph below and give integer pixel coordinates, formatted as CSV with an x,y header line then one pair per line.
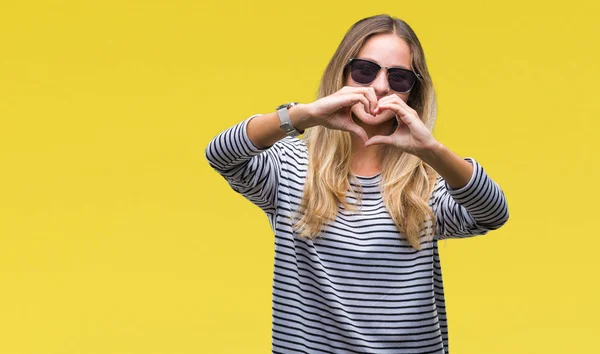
x,y
358,205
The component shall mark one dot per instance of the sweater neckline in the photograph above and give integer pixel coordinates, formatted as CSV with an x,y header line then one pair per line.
x,y
368,180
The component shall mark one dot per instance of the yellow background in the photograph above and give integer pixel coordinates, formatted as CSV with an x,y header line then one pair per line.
x,y
117,237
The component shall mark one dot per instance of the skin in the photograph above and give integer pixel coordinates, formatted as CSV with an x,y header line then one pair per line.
x,y
387,50
411,135
368,111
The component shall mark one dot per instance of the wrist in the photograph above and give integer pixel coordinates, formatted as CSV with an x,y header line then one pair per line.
x,y
301,116
431,152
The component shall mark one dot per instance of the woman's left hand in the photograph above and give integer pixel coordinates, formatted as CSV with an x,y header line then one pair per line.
x,y
411,135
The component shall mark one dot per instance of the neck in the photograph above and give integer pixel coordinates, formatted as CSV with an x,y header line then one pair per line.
x,y
366,161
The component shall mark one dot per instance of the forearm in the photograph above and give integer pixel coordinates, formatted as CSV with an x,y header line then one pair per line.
x,y
250,171
264,130
456,171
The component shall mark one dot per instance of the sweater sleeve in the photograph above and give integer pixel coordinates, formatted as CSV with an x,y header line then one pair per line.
x,y
475,209
251,171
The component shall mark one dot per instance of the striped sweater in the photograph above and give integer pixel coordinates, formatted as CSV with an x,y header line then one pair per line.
x,y
359,287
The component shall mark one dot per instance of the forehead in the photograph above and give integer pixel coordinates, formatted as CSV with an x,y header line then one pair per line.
x,y
386,49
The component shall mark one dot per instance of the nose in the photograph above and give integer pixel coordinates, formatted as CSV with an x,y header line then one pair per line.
x,y
380,84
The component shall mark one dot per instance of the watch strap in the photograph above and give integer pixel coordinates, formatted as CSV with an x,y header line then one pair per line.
x,y
284,118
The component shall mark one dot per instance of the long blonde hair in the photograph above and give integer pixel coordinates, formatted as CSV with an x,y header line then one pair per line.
x,y
406,181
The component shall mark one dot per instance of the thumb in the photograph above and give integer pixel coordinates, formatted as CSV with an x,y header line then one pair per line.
x,y
378,139
357,130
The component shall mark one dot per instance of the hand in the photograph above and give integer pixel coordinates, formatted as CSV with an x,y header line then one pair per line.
x,y
411,135
333,111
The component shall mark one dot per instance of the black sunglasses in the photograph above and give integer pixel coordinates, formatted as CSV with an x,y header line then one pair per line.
x,y
365,71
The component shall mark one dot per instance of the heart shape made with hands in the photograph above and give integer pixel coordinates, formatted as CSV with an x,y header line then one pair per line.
x,y
384,114
378,118
411,134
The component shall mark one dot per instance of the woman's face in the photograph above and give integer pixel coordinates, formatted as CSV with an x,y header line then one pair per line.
x,y
387,50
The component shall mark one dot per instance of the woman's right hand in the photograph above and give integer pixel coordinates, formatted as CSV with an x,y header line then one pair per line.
x,y
334,111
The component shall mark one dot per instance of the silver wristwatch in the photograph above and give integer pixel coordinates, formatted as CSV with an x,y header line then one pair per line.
x,y
284,119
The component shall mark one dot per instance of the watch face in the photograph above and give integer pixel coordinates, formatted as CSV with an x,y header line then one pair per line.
x,y
286,105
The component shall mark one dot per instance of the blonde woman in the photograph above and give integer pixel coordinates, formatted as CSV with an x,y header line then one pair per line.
x,y
358,205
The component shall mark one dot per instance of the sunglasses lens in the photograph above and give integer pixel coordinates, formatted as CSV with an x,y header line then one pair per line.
x,y
363,72
401,80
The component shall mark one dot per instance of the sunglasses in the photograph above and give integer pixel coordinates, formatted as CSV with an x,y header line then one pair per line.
x,y
365,71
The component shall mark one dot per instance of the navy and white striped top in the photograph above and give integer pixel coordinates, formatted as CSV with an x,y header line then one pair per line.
x,y
359,287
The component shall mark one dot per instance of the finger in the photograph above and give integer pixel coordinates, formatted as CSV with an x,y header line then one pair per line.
x,y
388,98
397,109
344,90
384,100
407,119
354,98
393,98
379,139
403,116
369,93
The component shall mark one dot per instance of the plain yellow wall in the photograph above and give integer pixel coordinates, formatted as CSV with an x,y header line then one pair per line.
x,y
117,237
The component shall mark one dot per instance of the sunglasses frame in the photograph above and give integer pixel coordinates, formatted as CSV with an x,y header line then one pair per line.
x,y
419,77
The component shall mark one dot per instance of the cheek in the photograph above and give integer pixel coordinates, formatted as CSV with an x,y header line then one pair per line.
x,y
350,82
403,96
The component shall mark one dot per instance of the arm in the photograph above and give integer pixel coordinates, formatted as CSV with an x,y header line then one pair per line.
x,y
466,201
474,209
453,169
247,156
264,131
